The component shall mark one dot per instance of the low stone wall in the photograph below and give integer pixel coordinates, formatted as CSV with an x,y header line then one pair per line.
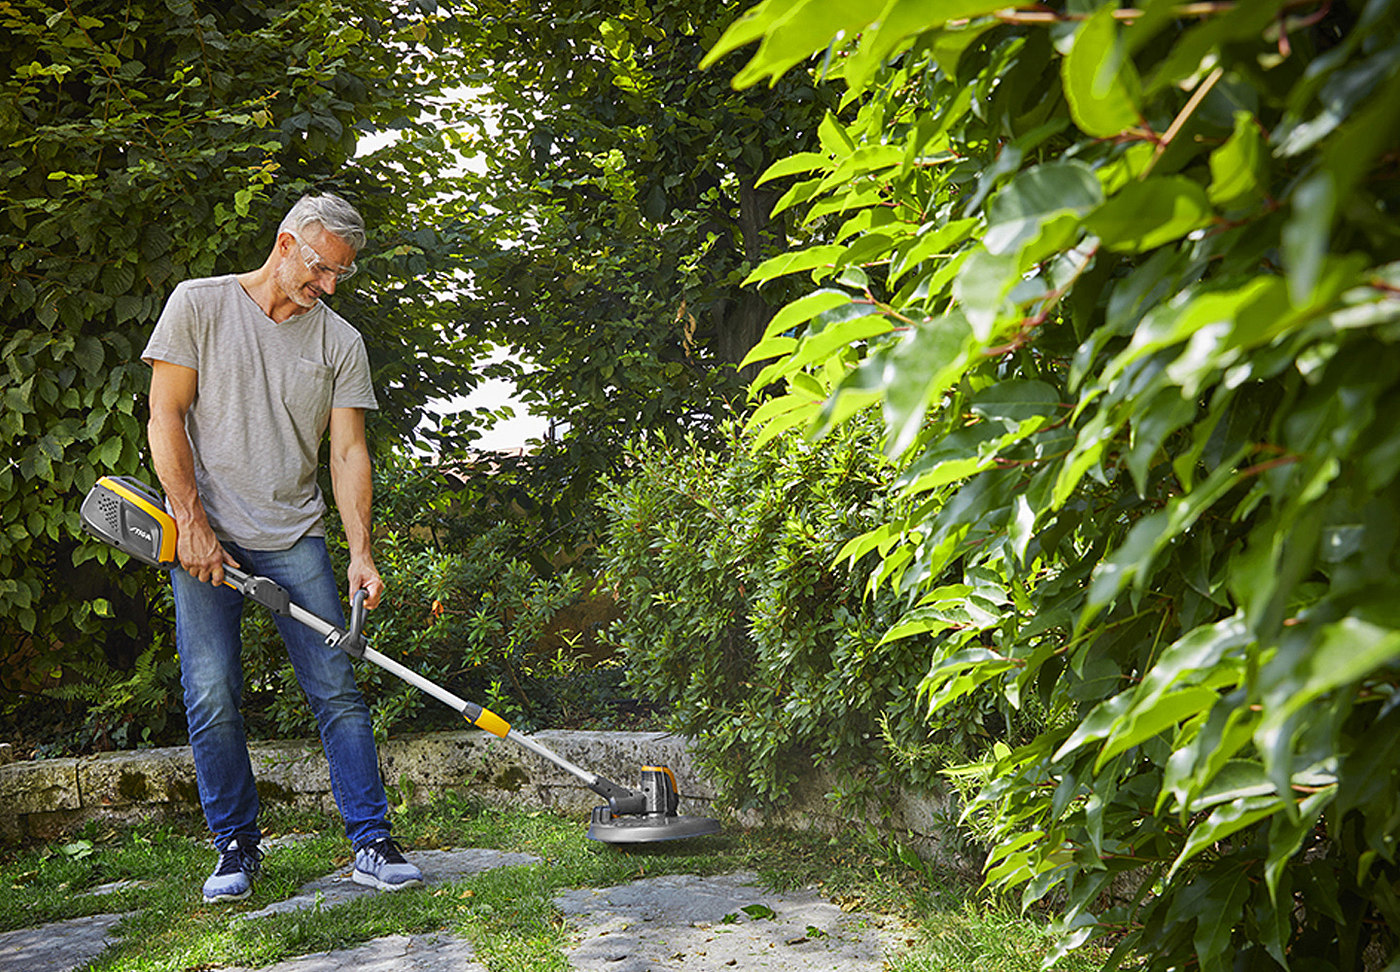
x,y
46,799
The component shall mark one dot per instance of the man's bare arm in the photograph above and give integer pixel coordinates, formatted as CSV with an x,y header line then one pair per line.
x,y
354,490
173,388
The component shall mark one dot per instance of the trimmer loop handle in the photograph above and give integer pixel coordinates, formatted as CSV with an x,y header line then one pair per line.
x,y
354,641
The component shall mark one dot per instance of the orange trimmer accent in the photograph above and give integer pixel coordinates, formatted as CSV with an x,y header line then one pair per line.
x,y
664,769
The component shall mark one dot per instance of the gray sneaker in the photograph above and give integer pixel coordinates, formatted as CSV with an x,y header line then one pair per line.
x,y
233,876
379,864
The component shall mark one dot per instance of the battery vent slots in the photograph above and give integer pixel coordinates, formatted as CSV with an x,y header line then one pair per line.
x,y
110,509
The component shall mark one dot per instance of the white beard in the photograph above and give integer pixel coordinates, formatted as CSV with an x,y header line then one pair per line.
x,y
286,279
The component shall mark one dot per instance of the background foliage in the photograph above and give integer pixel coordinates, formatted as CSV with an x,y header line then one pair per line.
x,y
736,619
607,215
145,143
472,609
1121,285
601,231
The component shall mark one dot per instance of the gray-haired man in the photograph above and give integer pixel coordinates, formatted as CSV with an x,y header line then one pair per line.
x,y
249,372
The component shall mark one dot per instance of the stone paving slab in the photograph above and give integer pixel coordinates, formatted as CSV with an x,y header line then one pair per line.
x,y
684,922
57,946
433,952
438,867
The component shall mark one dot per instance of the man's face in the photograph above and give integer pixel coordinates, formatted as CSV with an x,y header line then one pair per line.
x,y
327,254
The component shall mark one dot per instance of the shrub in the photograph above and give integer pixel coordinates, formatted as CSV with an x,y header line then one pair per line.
x,y
739,618
1124,285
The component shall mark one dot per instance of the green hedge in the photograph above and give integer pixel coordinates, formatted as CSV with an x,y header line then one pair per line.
x,y
762,645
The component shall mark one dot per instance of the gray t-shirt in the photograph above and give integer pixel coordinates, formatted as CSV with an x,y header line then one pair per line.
x,y
263,402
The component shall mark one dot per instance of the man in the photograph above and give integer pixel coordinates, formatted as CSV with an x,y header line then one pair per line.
x,y
249,372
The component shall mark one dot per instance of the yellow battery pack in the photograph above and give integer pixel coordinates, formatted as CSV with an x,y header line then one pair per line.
x,y
131,516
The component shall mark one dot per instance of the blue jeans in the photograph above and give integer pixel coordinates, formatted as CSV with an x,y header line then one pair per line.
x,y
211,672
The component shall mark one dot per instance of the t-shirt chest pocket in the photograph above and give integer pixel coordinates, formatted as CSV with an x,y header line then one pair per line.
x,y
311,386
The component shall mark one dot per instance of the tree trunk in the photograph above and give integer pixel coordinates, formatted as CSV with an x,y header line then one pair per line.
x,y
741,323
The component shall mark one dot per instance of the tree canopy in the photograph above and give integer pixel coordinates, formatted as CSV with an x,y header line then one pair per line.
x,y
612,210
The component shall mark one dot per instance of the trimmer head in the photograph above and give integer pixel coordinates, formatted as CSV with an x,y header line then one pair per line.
x,y
657,820
641,829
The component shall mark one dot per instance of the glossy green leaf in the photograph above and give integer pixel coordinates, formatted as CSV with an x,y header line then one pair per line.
x,y
1203,38
817,347
1286,836
898,21
932,356
803,309
770,347
1017,212
983,284
1012,402
803,410
802,162
1100,80
1344,652
918,622
1175,321
832,135
1132,561
1096,726
1238,168
858,547
795,30
790,32
785,263
1237,779
1307,239
1143,722
1147,214
1223,822
1220,915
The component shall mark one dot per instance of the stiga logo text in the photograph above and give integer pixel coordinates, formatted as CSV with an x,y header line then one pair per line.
x,y
143,534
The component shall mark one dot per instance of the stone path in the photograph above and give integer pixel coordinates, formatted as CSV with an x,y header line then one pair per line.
x,y
58,946
717,923
436,952
676,922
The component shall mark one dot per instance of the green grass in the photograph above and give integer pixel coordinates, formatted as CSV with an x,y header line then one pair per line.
x,y
507,914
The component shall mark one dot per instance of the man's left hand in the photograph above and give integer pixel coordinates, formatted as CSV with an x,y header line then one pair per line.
x,y
363,575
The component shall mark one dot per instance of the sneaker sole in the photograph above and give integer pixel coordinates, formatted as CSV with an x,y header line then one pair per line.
x,y
215,899
370,881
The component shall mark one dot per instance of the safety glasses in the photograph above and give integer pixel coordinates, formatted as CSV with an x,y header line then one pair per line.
x,y
319,266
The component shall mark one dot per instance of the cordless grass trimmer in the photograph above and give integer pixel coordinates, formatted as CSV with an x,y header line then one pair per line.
x,y
130,516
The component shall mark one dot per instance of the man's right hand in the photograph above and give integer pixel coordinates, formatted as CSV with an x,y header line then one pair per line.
x,y
201,554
